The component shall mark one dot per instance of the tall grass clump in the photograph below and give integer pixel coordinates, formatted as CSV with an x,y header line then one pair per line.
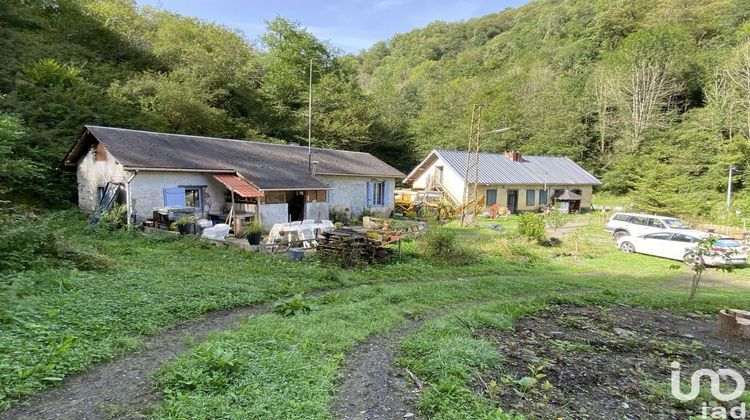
x,y
441,245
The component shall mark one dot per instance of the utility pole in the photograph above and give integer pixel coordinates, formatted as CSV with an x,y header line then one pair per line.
x,y
309,122
729,188
472,167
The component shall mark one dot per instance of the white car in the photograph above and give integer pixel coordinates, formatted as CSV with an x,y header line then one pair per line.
x,y
677,246
634,224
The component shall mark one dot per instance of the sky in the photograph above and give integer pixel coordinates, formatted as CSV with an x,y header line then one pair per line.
x,y
351,25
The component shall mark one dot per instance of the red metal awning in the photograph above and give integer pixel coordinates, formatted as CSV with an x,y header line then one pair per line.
x,y
239,185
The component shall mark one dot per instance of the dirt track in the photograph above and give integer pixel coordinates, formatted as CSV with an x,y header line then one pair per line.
x,y
123,387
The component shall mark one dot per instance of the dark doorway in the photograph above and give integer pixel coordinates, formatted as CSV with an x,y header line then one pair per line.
x,y
575,205
513,201
296,204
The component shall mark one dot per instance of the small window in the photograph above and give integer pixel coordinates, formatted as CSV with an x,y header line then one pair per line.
x,y
638,220
318,196
378,193
678,237
663,236
656,223
275,197
530,198
491,197
543,197
193,197
621,217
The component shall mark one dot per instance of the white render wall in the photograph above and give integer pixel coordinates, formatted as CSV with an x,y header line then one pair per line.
x,y
270,214
147,190
317,211
453,182
351,192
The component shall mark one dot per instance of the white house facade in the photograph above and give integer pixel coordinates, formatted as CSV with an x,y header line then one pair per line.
x,y
213,177
509,180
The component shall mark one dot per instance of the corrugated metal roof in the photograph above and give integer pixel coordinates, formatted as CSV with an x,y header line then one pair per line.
x,y
496,168
238,185
269,166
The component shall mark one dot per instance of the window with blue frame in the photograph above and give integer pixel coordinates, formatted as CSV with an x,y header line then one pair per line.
x,y
530,197
188,196
379,194
491,197
543,197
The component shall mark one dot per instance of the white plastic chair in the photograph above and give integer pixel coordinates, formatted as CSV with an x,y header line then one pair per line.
x,y
308,222
217,232
307,236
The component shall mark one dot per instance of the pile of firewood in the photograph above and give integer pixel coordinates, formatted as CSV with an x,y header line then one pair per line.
x,y
352,247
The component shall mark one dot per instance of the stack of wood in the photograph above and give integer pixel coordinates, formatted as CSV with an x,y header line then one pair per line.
x,y
353,245
734,323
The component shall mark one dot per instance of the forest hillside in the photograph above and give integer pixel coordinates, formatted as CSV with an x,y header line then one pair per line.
x,y
651,96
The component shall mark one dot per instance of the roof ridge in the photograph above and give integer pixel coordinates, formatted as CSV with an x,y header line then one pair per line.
x,y
222,139
501,154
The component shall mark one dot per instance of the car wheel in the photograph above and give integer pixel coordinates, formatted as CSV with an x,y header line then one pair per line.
x,y
620,234
692,259
627,247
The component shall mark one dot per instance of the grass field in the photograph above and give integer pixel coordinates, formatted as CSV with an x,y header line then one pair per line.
x,y
61,320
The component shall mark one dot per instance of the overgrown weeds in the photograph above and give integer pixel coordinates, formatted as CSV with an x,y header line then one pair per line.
x,y
294,306
28,240
441,245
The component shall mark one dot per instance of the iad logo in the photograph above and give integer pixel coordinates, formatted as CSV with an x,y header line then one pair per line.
x,y
716,392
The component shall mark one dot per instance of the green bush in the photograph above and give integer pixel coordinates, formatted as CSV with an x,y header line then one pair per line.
x,y
531,225
440,244
28,240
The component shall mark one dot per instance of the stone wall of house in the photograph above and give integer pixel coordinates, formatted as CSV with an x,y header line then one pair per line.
x,y
351,192
93,174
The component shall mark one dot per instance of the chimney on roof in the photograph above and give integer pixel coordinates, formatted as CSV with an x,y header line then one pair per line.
x,y
513,155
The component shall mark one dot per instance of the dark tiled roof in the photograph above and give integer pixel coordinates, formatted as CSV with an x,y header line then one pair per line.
x,y
495,168
267,165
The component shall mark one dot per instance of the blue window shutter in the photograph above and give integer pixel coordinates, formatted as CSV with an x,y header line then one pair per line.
x,y
369,194
387,194
174,197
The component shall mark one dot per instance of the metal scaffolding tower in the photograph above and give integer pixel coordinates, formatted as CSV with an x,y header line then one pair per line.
x,y
471,177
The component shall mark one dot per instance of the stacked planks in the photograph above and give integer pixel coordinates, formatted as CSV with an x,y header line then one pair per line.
x,y
354,246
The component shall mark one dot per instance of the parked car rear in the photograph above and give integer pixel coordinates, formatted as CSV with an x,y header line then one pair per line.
x,y
634,224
